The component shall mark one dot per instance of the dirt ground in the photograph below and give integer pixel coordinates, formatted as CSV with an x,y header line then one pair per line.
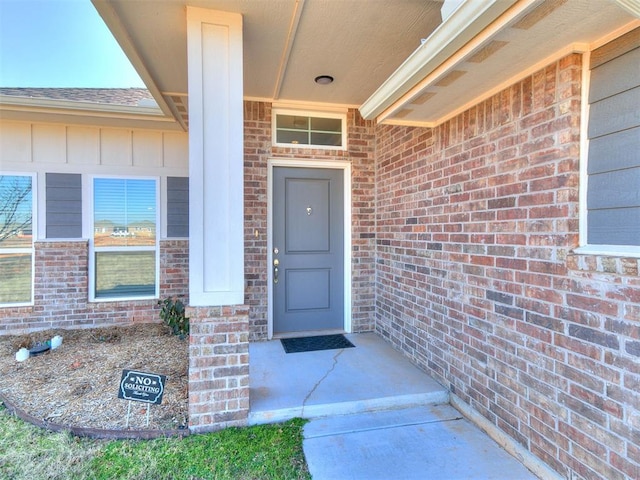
x,y
77,384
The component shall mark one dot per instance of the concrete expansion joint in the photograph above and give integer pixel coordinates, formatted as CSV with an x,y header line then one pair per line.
x,y
378,428
324,377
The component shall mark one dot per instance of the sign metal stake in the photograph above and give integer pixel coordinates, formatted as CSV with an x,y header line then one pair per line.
x,y
147,415
128,413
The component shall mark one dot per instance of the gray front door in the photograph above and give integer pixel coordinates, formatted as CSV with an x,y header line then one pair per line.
x,y
308,250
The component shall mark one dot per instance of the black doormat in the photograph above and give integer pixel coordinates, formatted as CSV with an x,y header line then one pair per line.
x,y
311,344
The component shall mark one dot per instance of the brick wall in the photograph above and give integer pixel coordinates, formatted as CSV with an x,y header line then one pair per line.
x,y
61,267
61,290
174,269
478,283
363,223
218,367
257,148
257,151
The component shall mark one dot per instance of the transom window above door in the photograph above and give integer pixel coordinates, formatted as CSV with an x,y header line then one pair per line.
x,y
309,130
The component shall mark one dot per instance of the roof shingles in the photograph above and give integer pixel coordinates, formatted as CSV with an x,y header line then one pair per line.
x,y
109,96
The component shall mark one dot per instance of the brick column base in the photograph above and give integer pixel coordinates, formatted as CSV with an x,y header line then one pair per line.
x,y
218,367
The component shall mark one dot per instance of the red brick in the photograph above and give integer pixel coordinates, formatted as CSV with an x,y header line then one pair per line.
x,y
61,295
535,159
488,201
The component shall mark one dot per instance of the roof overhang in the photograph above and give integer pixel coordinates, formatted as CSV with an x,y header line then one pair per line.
x,y
172,105
483,47
287,44
477,50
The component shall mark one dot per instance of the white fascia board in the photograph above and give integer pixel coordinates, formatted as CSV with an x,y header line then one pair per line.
x,y
82,113
388,120
469,19
10,102
631,6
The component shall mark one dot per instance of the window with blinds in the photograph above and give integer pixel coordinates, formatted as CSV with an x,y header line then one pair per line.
x,y
16,239
125,241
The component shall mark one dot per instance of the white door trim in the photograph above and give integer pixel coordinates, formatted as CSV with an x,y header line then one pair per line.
x,y
309,163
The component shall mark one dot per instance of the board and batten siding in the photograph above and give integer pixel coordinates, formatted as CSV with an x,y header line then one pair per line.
x,y
24,144
63,155
613,198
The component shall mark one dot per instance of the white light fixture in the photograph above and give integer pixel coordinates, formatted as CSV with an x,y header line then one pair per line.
x,y
324,79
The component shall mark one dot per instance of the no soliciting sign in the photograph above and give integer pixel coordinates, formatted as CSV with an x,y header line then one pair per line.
x,y
141,387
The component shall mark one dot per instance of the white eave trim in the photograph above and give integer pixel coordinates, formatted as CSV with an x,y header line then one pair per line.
x,y
580,48
66,105
631,6
469,19
83,109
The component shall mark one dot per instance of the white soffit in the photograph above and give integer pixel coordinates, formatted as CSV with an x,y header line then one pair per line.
x,y
360,43
522,38
287,43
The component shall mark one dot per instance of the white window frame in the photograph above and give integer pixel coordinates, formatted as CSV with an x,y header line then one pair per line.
x,y
34,235
585,248
308,113
92,248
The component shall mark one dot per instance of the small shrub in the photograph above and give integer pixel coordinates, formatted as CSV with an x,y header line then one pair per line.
x,y
172,312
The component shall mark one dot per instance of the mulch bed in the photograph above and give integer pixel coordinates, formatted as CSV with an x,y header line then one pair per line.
x,y
76,385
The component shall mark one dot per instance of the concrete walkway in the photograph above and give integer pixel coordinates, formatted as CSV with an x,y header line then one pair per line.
x,y
373,415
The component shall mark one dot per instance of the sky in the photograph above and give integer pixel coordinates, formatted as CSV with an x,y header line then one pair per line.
x,y
60,43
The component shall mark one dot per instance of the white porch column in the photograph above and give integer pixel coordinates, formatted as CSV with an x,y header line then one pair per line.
x,y
216,214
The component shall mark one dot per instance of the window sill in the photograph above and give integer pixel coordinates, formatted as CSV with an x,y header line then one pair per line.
x,y
306,146
122,299
605,259
609,251
17,305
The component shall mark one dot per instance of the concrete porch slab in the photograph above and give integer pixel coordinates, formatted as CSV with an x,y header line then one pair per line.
x,y
373,415
370,377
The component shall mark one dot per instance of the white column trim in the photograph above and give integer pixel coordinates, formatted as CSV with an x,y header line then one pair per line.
x,y
216,138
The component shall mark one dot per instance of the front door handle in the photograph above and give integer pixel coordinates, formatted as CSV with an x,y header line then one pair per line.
x,y
276,262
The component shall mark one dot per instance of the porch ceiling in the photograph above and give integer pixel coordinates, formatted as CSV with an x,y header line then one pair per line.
x,y
431,87
287,43
372,48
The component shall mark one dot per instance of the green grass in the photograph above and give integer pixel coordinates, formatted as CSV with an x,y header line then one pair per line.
x,y
260,452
